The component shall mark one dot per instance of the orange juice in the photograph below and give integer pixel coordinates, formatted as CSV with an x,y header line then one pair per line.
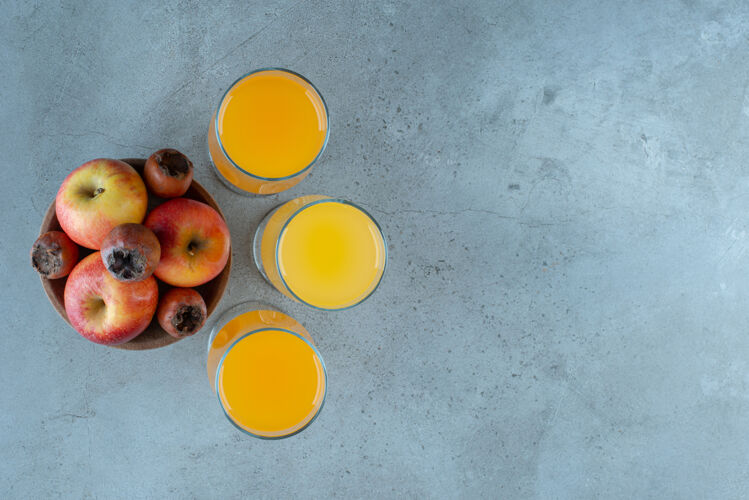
x,y
269,378
327,253
269,129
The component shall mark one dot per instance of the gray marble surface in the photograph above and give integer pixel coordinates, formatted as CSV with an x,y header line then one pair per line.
x,y
565,190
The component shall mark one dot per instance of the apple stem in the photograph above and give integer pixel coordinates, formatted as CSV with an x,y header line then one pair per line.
x,y
98,192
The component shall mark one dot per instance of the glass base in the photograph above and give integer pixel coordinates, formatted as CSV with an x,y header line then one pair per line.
x,y
233,312
228,184
257,245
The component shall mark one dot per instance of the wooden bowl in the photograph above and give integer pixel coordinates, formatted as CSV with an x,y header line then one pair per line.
x,y
153,336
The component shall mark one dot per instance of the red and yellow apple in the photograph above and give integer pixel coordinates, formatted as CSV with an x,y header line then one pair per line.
x,y
96,197
195,242
104,310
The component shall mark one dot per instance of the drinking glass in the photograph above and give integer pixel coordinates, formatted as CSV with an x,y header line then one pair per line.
x,y
270,127
269,377
325,252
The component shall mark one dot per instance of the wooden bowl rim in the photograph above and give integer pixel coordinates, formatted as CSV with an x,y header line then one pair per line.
x,y
162,339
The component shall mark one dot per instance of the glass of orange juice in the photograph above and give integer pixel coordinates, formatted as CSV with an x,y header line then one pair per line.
x,y
325,252
269,377
269,129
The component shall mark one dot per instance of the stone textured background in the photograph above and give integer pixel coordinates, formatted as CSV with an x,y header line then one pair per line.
x,y
565,190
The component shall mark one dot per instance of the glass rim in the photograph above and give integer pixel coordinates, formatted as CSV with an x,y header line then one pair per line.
x,y
327,124
345,202
324,372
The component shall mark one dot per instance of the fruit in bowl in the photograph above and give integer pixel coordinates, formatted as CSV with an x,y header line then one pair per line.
x,y
168,173
130,252
181,312
194,239
105,310
100,306
96,197
54,254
